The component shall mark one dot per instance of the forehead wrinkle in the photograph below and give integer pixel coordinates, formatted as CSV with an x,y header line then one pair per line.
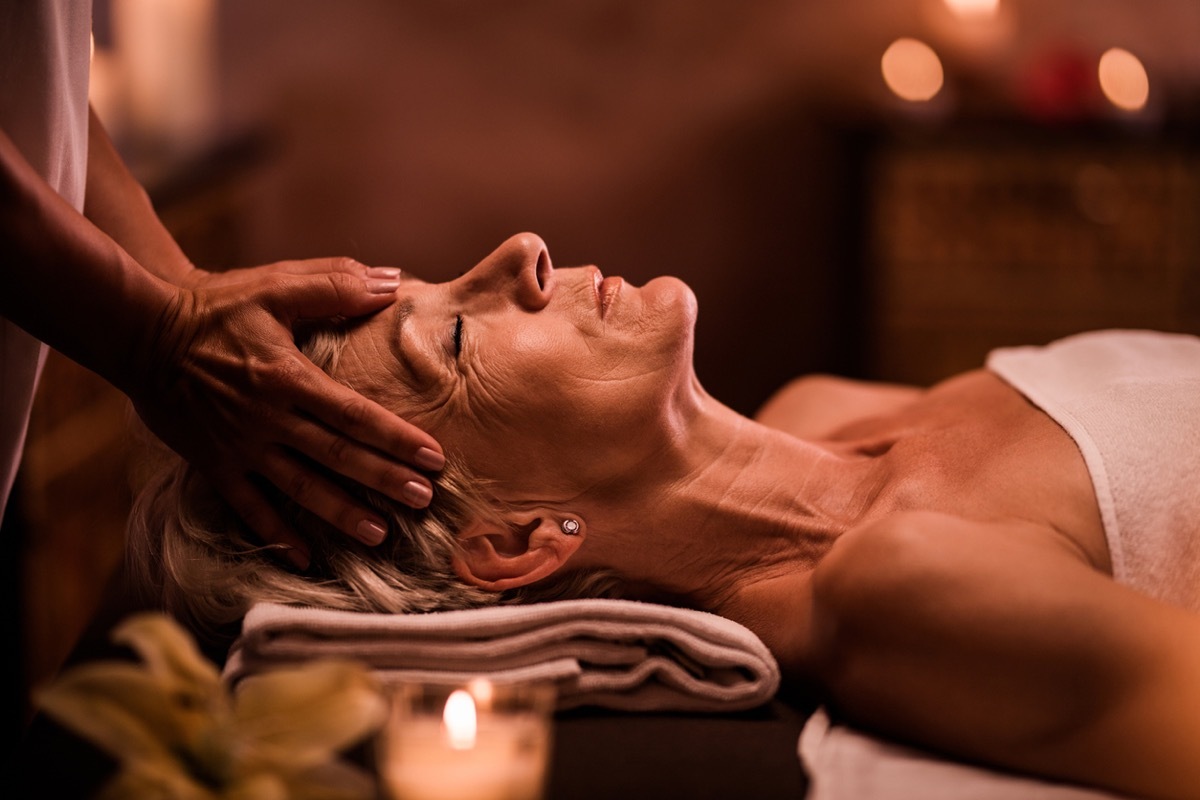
x,y
404,312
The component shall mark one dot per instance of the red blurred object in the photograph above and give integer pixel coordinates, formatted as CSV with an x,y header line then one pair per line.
x,y
1059,85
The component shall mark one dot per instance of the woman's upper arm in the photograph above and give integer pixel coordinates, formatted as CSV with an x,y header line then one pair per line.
x,y
992,641
815,406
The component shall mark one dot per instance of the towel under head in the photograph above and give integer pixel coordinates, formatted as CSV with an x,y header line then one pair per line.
x,y
618,654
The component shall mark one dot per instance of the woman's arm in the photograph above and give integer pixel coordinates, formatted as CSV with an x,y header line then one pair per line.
x,y
117,204
816,406
212,369
995,642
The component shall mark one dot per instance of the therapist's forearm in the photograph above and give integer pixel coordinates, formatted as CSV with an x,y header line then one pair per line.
x,y
118,205
66,282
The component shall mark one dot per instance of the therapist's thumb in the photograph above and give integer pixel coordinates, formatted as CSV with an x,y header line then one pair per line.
x,y
332,294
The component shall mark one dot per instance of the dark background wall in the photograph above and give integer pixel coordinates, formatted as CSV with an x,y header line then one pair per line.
x,y
647,138
728,143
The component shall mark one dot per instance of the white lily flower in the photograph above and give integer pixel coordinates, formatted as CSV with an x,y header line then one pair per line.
x,y
179,734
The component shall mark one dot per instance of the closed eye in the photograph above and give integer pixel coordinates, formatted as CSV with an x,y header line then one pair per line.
x,y
458,330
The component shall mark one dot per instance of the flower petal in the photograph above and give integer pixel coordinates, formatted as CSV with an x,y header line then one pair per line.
x,y
259,786
150,781
336,780
117,706
305,714
168,650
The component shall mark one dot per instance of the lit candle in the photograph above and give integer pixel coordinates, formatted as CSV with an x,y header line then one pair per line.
x,y
488,743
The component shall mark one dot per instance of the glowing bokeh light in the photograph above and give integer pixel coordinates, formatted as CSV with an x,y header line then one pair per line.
x,y
912,70
973,8
1123,79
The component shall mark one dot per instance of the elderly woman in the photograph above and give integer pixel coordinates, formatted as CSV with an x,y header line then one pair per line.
x,y
939,563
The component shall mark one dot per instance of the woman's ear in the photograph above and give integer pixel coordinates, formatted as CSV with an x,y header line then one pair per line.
x,y
517,549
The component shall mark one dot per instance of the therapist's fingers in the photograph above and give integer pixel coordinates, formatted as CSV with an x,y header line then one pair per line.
x,y
234,388
292,298
366,465
307,487
248,276
353,421
318,266
248,502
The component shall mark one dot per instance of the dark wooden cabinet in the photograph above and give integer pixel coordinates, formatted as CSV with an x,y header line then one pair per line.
x,y
981,241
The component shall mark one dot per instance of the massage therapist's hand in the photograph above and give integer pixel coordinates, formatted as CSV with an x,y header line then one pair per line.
x,y
227,389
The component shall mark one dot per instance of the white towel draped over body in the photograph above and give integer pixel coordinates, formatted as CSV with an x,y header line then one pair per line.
x,y
618,654
1131,402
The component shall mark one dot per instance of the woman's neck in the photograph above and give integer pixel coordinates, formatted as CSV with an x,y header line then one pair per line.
x,y
731,505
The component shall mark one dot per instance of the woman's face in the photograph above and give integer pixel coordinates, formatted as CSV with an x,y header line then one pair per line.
x,y
552,383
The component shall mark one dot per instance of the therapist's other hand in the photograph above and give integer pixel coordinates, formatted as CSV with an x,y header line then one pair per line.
x,y
228,390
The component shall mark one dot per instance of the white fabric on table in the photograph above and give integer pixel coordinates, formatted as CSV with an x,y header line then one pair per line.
x,y
845,764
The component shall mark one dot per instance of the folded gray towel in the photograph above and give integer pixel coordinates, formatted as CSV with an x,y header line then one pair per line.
x,y
618,654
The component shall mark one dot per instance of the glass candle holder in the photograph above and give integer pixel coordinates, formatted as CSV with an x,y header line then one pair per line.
x,y
477,741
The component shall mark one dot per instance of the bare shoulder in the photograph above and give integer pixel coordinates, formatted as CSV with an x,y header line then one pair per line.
x,y
816,406
1036,661
934,551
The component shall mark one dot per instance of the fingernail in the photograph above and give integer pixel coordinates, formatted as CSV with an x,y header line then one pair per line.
x,y
371,532
389,273
416,494
376,286
429,459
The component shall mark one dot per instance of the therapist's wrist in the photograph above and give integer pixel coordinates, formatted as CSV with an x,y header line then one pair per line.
x,y
151,339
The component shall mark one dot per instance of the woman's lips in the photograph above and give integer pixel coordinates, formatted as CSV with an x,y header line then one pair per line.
x,y
608,289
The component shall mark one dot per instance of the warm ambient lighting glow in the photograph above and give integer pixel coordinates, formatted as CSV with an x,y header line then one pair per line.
x,y
912,70
459,719
104,87
1123,80
973,8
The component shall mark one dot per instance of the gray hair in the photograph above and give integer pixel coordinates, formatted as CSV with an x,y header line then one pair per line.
x,y
189,550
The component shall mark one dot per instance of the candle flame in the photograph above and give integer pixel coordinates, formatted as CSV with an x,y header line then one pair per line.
x,y
459,720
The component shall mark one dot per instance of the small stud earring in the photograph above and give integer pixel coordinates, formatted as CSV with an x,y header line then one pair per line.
x,y
570,527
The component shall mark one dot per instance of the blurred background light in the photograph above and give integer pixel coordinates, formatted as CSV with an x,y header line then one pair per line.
x,y
912,70
973,8
1123,79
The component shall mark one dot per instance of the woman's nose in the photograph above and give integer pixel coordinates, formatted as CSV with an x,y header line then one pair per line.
x,y
521,268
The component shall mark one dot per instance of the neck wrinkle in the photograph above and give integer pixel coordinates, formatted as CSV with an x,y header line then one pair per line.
x,y
733,503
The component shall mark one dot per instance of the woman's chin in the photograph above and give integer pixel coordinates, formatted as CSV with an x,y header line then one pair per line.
x,y
670,292
674,304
